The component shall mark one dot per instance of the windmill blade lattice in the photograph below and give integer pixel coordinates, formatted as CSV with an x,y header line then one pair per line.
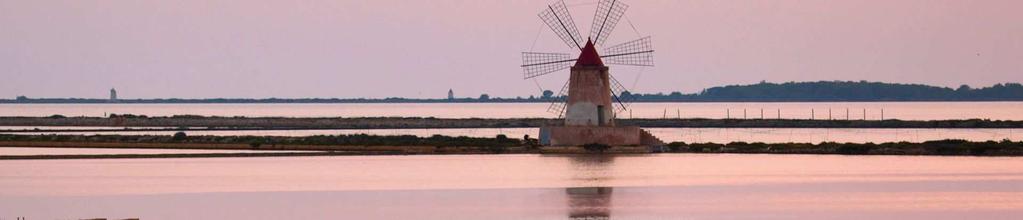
x,y
638,52
537,64
559,102
617,90
604,21
556,17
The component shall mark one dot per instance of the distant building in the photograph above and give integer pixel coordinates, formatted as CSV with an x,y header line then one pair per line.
x,y
451,94
113,95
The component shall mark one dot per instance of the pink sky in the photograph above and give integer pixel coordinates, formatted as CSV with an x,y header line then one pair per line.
x,y
379,48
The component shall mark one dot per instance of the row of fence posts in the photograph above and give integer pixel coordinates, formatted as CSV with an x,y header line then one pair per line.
x,y
813,116
848,116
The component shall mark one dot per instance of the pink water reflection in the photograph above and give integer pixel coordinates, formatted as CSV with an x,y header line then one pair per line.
x,y
719,186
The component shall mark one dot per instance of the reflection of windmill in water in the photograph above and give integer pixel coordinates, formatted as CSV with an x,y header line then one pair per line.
x,y
589,202
592,97
593,201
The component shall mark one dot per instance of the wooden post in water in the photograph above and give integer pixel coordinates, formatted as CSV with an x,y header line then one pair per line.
x,y
665,114
728,113
811,115
882,114
846,114
779,113
829,114
864,114
743,114
761,114
679,113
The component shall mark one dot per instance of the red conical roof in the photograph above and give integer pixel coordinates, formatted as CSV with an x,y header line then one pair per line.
x,y
589,56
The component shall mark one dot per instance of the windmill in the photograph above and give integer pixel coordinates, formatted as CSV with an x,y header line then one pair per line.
x,y
556,16
591,98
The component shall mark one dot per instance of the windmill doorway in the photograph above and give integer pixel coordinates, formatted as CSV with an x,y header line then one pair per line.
x,y
600,115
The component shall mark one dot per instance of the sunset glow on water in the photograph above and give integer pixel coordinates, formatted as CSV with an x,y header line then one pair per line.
x,y
520,186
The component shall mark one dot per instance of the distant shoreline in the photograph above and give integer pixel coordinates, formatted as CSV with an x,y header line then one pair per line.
x,y
820,91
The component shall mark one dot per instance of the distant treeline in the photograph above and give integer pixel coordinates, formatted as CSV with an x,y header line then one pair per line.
x,y
821,91
840,91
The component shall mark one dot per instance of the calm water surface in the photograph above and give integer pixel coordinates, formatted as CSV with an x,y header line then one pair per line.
x,y
665,186
818,110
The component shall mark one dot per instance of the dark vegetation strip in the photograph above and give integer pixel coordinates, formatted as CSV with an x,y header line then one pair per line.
x,y
191,122
188,155
937,147
258,141
406,144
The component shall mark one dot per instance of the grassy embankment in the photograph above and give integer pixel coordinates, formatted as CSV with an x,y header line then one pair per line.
x,y
187,122
342,144
402,145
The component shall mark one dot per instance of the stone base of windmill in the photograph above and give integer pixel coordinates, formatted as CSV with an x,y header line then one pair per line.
x,y
625,139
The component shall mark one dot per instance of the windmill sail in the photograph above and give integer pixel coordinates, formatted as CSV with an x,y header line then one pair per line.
x,y
604,21
618,93
556,17
559,102
537,64
638,52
